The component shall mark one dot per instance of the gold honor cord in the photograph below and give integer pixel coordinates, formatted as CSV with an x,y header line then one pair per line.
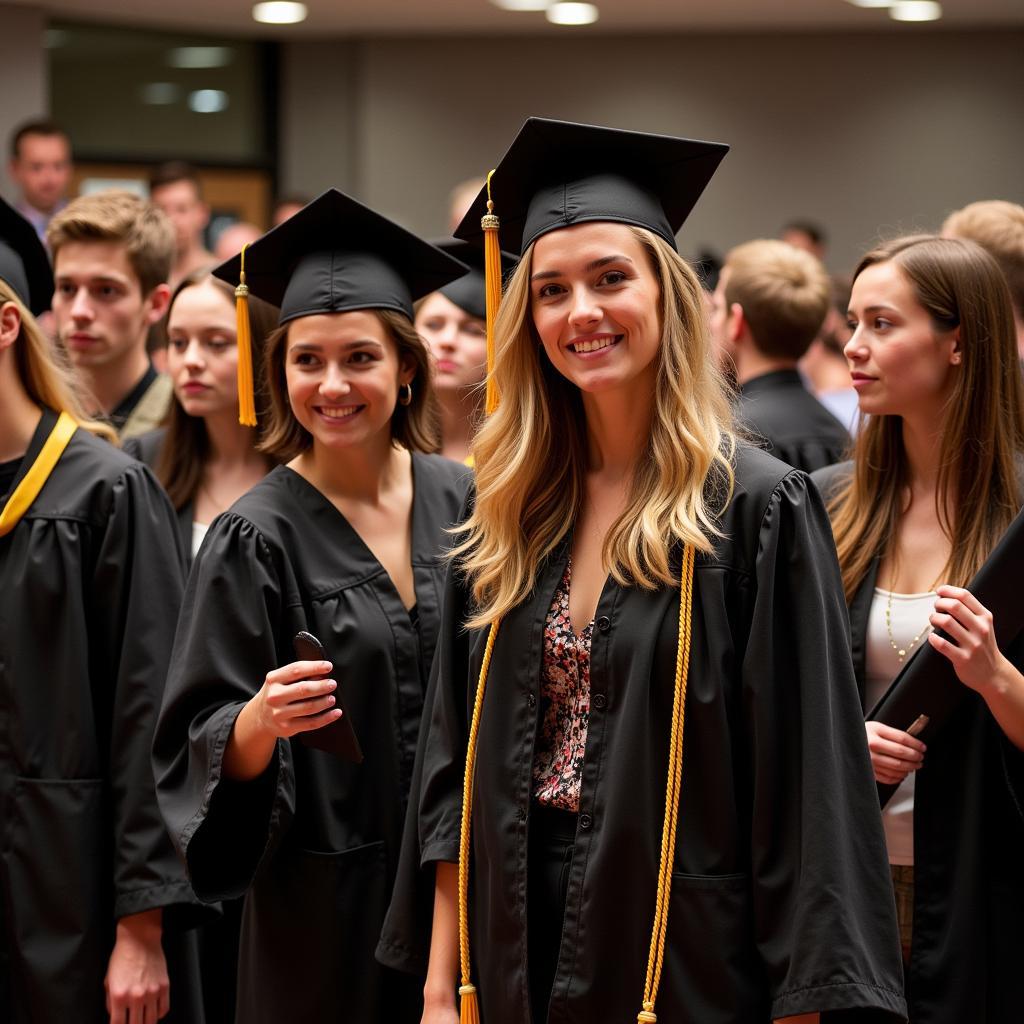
x,y
32,483
492,280
246,396
469,1012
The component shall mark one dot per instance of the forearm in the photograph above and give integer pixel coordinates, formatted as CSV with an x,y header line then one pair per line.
x,y
1005,699
145,926
250,747
443,968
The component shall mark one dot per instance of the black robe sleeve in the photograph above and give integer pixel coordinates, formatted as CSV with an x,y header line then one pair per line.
x,y
138,584
817,847
224,646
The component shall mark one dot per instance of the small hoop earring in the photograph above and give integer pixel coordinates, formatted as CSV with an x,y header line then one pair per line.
x,y
405,394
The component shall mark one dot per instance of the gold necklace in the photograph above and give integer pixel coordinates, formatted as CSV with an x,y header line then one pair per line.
x,y
901,652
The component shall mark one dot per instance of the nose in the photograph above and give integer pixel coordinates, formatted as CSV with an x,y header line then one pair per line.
x,y
855,350
445,338
194,355
81,308
585,310
334,382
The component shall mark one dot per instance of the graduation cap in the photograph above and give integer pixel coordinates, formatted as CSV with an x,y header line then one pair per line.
x,y
24,264
557,173
469,291
333,256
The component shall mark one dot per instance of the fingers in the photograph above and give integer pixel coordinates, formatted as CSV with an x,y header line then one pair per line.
x,y
297,670
163,1005
300,696
894,753
964,596
309,723
888,733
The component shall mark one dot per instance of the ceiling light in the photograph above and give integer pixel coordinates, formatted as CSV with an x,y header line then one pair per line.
x,y
160,94
279,12
572,14
915,10
208,101
522,5
199,57
871,3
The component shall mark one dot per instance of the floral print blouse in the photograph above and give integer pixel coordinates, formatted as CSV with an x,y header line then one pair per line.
x,y
564,706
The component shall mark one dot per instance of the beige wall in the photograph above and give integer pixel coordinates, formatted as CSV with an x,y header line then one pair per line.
x,y
23,77
870,134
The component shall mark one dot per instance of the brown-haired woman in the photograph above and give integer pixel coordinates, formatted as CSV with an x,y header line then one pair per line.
x,y
344,542
202,455
935,480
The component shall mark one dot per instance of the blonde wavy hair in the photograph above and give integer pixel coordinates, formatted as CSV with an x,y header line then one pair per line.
x,y
531,453
44,371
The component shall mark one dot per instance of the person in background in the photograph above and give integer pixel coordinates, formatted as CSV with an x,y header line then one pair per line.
x,y
770,302
824,365
231,240
345,542
807,235
175,188
452,322
111,256
937,475
286,207
40,165
95,909
459,200
998,227
204,458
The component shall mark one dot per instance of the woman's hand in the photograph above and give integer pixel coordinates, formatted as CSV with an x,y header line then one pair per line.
x,y
137,987
976,658
288,702
443,1012
894,753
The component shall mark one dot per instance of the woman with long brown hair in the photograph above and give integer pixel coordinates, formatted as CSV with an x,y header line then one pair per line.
x,y
631,574
936,478
259,776
202,455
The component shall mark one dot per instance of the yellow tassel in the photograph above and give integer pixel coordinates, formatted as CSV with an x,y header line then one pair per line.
x,y
646,1017
469,1011
492,276
246,396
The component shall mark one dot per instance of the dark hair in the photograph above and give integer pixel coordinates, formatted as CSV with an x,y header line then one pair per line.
x,y
815,232
413,426
173,171
46,128
186,445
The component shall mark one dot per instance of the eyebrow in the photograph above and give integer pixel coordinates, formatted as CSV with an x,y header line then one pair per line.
x,y
314,346
94,279
544,275
875,309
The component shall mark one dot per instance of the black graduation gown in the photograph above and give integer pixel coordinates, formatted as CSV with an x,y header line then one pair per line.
x,y
781,899
968,938
146,448
89,592
313,842
796,427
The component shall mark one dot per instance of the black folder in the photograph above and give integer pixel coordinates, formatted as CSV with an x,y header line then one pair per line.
x,y
927,692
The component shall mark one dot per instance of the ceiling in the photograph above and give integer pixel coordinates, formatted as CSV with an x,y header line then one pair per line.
x,y
447,17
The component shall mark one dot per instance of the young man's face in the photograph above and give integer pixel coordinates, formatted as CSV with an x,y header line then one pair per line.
x,y
186,211
42,170
102,316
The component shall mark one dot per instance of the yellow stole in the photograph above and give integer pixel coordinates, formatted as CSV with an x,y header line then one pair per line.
x,y
39,472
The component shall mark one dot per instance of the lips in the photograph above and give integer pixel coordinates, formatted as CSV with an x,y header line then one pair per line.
x,y
447,366
593,343
79,340
338,413
194,387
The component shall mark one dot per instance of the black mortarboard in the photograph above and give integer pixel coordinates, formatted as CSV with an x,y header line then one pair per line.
x,y
557,173
24,264
336,255
469,291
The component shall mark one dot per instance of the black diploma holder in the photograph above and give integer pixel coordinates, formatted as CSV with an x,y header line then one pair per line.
x,y
338,738
926,693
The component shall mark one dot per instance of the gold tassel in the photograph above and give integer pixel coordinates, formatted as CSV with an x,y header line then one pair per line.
x,y
469,1011
492,276
246,396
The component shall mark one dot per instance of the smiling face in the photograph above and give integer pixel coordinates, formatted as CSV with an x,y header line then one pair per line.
x,y
596,305
901,365
457,342
343,374
101,314
202,351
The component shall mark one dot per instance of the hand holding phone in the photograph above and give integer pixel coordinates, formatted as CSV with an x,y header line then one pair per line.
x,y
337,736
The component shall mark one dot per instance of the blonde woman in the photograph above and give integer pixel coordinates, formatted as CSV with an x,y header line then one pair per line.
x,y
937,476
608,469
93,894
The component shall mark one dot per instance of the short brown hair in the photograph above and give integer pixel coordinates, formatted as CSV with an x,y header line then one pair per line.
x,y
124,218
998,227
784,292
413,426
45,129
173,171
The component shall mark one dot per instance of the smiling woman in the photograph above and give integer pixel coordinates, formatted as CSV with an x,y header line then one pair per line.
x,y
343,542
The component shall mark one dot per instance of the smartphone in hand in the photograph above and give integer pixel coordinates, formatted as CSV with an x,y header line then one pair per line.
x,y
338,738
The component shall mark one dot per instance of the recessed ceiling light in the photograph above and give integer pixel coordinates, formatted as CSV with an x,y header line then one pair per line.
x,y
522,5
871,3
161,94
572,14
199,57
915,10
208,101
279,12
